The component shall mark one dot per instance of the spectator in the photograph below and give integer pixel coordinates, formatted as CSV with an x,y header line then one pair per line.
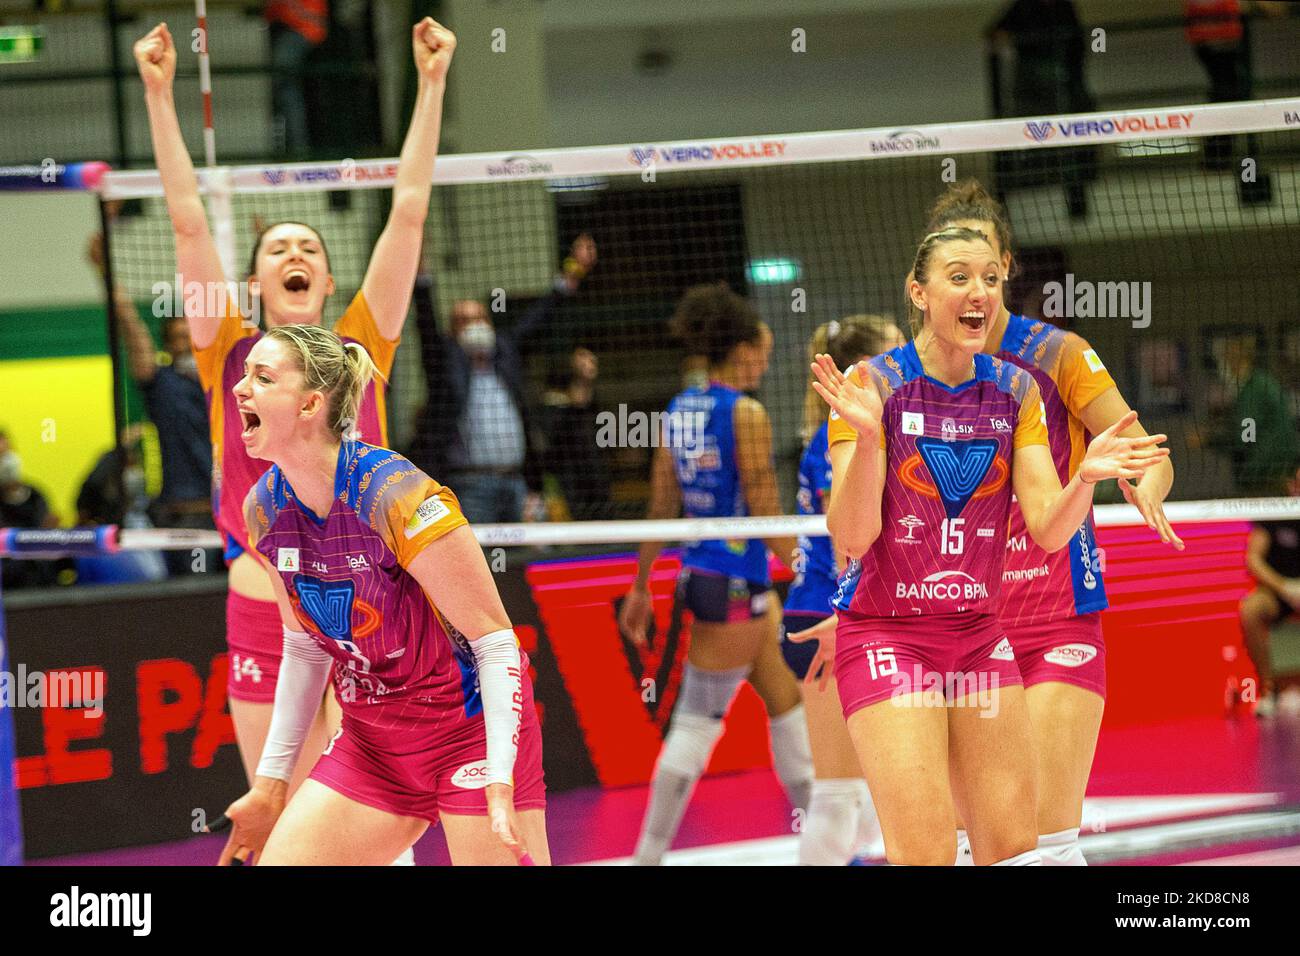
x,y
22,506
114,493
473,432
1048,79
1273,560
297,27
1219,35
174,400
573,456
1256,429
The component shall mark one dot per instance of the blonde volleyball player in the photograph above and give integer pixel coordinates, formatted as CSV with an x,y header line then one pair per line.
x,y
1052,603
841,818
378,579
290,267
715,462
927,442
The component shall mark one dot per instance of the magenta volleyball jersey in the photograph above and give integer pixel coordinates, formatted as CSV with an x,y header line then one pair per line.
x,y
947,490
399,661
221,366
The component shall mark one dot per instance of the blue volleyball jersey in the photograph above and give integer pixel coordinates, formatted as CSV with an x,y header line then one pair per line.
x,y
700,434
814,584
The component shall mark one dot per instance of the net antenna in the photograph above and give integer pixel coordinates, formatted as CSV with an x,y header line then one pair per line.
x,y
216,179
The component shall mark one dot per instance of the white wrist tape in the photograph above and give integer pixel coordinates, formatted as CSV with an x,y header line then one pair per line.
x,y
304,671
500,681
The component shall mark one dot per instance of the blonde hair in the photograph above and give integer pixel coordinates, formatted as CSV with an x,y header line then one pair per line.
x,y
341,370
845,340
921,266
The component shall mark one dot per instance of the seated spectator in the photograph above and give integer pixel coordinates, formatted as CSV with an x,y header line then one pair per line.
x,y
473,432
1273,560
22,506
114,493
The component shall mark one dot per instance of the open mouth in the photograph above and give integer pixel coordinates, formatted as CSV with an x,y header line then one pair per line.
x,y
973,320
251,423
297,280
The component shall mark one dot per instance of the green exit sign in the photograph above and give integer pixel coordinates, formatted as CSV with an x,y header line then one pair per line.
x,y
20,44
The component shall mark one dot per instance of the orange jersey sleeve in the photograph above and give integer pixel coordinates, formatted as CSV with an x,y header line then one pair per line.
x,y
414,513
357,323
1080,376
212,357
1031,424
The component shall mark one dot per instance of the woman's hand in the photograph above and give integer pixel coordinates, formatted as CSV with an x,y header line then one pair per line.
x,y
155,57
1112,456
1152,510
501,816
823,632
858,405
634,616
254,816
432,44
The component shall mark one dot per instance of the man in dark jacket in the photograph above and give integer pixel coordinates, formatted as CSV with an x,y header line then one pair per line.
x,y
473,433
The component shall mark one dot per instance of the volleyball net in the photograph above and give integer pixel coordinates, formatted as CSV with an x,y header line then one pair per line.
x,y
1132,229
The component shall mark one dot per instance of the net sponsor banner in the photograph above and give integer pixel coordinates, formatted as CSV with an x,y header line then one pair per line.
x,y
1045,132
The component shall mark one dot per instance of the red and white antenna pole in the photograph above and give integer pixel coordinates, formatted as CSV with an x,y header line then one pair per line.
x,y
223,222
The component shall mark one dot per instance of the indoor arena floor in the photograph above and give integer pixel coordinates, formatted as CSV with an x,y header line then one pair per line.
x,y
1222,792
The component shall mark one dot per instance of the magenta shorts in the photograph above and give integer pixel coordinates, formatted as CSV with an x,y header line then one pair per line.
x,y
255,637
949,657
1071,651
444,771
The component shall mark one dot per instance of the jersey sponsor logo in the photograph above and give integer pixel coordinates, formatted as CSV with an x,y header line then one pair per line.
x,y
431,511
958,468
1085,555
1018,542
948,585
358,562
1071,655
1000,424
949,429
911,523
1003,652
913,423
472,776
320,567
286,559
1025,574
1094,361
985,532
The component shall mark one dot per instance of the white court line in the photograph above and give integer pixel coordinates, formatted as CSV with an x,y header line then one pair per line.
x,y
1103,812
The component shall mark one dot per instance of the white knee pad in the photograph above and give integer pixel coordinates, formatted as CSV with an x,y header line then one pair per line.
x,y
1061,848
708,693
831,823
1028,858
689,744
792,754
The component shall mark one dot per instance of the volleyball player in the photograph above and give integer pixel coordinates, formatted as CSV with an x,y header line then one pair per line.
x,y
715,461
291,269
376,572
841,817
925,453
1052,603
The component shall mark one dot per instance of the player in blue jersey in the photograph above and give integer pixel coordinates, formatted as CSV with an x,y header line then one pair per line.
x,y
841,818
714,460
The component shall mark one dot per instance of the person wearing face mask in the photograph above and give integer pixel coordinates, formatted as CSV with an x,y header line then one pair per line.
x,y
174,400
114,493
22,506
474,428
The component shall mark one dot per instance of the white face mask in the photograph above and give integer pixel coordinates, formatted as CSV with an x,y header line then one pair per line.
x,y
478,339
185,364
11,467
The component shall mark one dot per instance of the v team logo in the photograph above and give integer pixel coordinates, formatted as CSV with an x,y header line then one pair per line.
x,y
958,468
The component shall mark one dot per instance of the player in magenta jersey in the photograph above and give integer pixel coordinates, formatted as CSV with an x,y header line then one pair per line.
x,y
841,819
927,442
715,461
1052,603
290,268
380,582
